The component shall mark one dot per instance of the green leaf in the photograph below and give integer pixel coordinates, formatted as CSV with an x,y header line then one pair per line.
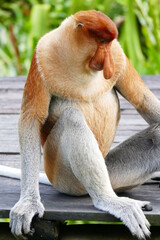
x,y
39,20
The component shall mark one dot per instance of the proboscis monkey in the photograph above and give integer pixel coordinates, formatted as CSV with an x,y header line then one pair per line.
x,y
70,106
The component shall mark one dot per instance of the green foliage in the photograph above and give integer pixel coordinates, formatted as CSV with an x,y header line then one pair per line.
x,y
2,220
81,222
148,13
23,22
129,37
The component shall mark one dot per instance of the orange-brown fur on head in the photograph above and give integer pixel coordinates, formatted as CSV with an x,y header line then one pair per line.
x,y
97,25
100,27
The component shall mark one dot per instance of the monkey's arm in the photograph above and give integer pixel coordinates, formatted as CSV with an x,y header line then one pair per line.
x,y
131,86
33,113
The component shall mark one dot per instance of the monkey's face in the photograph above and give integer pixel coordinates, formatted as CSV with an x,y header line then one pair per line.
x,y
80,46
93,28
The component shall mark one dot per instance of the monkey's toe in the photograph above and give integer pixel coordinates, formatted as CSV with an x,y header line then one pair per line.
x,y
147,207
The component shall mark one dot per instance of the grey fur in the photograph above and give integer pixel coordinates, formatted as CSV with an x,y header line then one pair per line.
x,y
29,203
135,160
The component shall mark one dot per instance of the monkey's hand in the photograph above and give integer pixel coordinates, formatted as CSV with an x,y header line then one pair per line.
x,y
22,213
129,211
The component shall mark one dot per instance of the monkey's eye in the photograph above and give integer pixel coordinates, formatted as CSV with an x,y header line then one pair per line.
x,y
80,24
103,41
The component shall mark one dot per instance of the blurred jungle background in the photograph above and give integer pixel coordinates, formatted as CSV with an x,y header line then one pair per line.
x,y
23,22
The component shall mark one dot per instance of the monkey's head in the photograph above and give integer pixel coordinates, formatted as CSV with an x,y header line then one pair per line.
x,y
80,45
99,28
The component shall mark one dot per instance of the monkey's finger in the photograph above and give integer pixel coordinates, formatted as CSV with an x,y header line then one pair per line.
x,y
10,222
27,223
141,221
29,216
142,205
11,219
144,218
140,210
41,213
134,219
17,230
13,226
146,206
134,227
40,210
18,226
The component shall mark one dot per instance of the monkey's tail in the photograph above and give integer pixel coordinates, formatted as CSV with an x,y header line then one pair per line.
x,y
16,173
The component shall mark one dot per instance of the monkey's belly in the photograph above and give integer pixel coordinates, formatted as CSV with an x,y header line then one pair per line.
x,y
101,116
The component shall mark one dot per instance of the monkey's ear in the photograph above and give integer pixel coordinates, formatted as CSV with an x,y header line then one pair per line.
x,y
100,27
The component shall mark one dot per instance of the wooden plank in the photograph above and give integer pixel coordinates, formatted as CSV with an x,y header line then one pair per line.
x,y
9,134
152,81
9,147
9,83
13,79
10,160
14,160
62,207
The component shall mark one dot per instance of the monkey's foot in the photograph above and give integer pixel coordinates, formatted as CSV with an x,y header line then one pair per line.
x,y
129,211
21,216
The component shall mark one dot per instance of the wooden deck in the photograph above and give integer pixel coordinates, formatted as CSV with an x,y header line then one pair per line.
x,y
59,206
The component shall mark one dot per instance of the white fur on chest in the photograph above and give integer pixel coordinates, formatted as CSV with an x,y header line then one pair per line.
x,y
101,115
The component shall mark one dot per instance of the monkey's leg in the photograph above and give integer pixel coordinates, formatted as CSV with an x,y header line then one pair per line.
x,y
79,148
135,160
